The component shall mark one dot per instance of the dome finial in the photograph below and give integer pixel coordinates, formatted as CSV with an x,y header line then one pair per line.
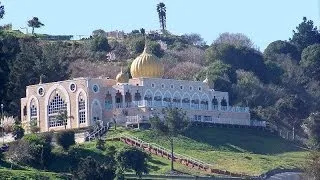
x,y
145,44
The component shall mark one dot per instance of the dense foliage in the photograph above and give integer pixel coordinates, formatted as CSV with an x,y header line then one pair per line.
x,y
65,138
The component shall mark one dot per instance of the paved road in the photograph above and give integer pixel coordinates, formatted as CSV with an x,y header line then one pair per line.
x,y
286,176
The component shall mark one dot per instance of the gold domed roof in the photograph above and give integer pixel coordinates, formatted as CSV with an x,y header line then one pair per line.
x,y
146,65
122,77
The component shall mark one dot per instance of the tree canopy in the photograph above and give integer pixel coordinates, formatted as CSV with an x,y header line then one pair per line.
x,y
310,61
35,23
305,34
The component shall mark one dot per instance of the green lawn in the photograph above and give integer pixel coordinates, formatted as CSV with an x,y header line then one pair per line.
x,y
23,174
237,150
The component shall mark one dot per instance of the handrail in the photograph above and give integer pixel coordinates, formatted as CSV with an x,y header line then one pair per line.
x,y
96,131
180,156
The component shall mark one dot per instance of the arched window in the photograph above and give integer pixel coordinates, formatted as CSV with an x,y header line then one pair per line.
x,y
96,111
33,113
128,99
195,102
167,99
108,101
176,101
56,106
148,98
81,109
157,99
137,99
186,102
118,99
204,104
214,103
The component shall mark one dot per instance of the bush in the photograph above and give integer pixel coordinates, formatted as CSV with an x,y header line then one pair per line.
x,y
99,44
18,131
89,168
65,139
100,144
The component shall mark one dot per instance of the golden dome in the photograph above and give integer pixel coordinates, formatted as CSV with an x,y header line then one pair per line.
x,y
122,77
146,65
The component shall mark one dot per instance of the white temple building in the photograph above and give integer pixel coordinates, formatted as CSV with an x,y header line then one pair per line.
x,y
89,100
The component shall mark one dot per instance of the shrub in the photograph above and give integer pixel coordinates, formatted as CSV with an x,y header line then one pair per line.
x,y
18,131
65,139
100,144
89,168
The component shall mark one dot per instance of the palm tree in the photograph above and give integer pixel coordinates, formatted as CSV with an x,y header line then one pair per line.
x,y
63,117
34,23
161,9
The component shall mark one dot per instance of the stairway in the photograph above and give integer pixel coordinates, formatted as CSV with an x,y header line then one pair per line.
x,y
98,132
165,153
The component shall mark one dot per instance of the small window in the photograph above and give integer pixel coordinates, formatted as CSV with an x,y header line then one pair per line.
x,y
199,88
152,85
40,91
190,88
171,86
181,87
72,87
162,85
137,84
95,88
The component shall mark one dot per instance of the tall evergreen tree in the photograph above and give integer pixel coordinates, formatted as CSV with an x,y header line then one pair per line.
x,y
161,9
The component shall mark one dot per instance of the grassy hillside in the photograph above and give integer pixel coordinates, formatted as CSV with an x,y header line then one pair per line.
x,y
237,150
23,174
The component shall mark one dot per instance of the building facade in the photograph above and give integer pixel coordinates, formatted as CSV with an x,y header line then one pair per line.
x,y
89,100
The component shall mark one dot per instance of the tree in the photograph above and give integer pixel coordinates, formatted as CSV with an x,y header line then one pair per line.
x,y
245,58
235,39
19,152
100,44
89,168
281,48
175,122
312,167
155,48
1,11
65,139
312,124
131,159
18,131
34,23
305,35
194,39
183,71
310,61
99,32
293,110
143,31
161,9
63,117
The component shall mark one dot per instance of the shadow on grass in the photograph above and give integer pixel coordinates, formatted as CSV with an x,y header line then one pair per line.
x,y
242,140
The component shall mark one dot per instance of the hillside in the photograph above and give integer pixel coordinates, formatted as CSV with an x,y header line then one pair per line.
x,y
237,150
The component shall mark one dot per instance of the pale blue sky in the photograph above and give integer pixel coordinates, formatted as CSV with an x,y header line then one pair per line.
x,y
263,21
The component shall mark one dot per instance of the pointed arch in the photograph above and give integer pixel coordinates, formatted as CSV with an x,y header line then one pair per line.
x,y
57,100
148,96
167,99
195,101
33,111
204,103
137,99
186,101
157,99
224,104
128,99
176,99
96,111
82,107
108,102
119,99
